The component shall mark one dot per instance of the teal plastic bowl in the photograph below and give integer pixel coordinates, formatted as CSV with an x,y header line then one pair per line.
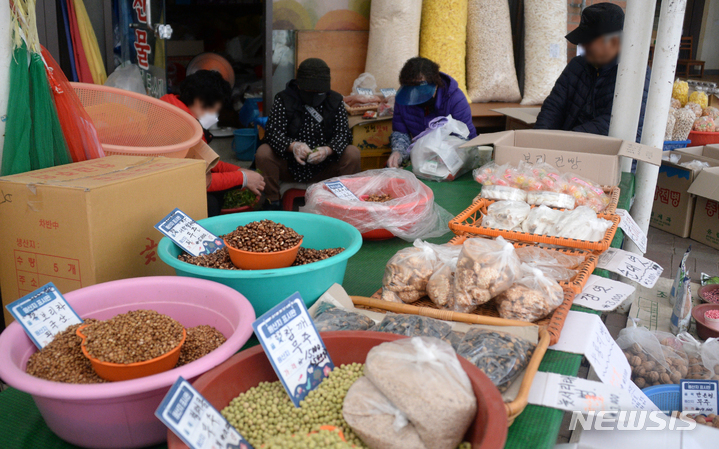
x,y
266,288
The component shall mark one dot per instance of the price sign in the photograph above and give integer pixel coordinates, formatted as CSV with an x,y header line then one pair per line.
x,y
197,423
637,268
341,191
603,294
640,401
188,234
43,314
574,394
364,91
294,347
631,229
699,396
388,92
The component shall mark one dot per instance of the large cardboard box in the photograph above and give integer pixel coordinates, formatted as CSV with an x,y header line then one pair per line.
x,y
673,207
705,225
594,157
371,134
519,118
91,222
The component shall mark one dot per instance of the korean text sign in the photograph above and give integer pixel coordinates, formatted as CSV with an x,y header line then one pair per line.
x,y
188,234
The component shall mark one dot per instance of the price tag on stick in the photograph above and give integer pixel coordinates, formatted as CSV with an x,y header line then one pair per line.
x,y
43,314
631,229
294,347
637,268
188,234
197,423
603,294
700,396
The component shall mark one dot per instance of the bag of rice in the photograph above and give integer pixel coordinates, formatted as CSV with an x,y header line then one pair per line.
x,y
491,75
545,49
443,36
684,122
393,39
671,121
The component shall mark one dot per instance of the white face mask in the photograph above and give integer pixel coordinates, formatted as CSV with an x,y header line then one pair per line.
x,y
208,119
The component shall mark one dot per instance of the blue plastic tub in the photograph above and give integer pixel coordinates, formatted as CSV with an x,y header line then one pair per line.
x,y
667,397
266,288
675,144
245,143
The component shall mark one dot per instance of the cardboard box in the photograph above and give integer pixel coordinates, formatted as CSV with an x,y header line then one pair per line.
x,y
594,157
90,222
371,134
519,118
705,225
673,208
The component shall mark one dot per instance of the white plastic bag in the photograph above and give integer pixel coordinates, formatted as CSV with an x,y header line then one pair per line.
x,y
436,154
581,223
364,81
409,215
407,273
423,378
531,298
506,215
127,77
559,266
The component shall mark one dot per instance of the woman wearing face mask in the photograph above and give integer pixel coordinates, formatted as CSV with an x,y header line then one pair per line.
x,y
425,94
308,137
202,95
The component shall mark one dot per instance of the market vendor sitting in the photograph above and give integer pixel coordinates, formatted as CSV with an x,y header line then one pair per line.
x,y
425,94
202,95
582,97
308,136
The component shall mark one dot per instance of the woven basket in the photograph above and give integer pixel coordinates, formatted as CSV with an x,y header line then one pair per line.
x,y
359,110
612,192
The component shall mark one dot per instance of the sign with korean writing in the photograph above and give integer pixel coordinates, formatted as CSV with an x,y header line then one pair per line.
x,y
197,423
603,294
43,314
388,92
341,191
632,266
631,229
188,234
574,394
141,42
364,91
294,347
699,396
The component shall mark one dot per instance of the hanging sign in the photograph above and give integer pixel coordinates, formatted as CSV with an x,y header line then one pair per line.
x,y
574,394
603,294
188,234
700,396
631,229
632,266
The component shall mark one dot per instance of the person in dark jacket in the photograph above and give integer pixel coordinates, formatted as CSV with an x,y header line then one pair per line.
x,y
425,94
308,136
582,97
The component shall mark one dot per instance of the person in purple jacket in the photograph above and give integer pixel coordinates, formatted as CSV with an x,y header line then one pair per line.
x,y
425,94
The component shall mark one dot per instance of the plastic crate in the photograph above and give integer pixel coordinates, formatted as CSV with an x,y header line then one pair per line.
x,y
670,145
667,397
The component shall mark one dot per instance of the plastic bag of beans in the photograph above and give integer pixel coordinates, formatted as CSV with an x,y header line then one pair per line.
x,y
423,378
378,423
532,297
331,318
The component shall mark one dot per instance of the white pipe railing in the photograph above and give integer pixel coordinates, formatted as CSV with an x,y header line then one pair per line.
x,y
5,58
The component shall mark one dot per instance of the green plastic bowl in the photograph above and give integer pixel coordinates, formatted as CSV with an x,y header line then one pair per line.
x,y
266,288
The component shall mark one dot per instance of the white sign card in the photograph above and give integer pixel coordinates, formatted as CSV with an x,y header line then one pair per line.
x,y
188,234
364,91
388,92
573,394
631,229
603,294
700,396
291,341
637,268
43,314
341,191
197,423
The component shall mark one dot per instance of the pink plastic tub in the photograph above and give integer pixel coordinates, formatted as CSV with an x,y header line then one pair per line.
x,y
121,414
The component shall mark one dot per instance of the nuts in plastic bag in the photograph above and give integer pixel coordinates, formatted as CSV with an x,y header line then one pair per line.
x,y
530,298
416,326
331,318
541,220
407,273
485,268
378,423
441,283
656,357
501,356
506,215
423,378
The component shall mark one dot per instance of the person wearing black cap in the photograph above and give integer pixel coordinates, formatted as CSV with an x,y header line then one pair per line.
x,y
307,134
582,97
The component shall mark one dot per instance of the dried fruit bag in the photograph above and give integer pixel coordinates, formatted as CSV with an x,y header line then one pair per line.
x,y
407,273
534,296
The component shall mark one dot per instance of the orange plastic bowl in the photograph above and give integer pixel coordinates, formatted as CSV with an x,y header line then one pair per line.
x,y
247,260
701,138
119,371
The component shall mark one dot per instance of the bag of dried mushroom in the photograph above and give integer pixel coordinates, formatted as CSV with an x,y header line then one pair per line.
x,y
656,357
532,297
439,286
407,273
485,269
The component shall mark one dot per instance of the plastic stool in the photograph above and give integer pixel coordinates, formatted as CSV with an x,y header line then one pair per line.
x,y
289,197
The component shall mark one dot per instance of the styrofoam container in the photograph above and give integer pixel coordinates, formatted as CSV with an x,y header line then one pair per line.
x,y
121,414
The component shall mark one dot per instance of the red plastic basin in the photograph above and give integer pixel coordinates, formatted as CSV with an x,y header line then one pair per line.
x,y
700,138
248,368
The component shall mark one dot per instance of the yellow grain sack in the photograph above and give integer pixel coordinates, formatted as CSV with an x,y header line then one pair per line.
x,y
680,91
443,36
700,98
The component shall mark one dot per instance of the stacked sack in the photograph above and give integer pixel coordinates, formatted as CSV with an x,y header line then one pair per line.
x,y
689,113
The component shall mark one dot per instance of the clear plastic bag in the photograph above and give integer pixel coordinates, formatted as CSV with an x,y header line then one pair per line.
x,y
378,423
485,269
506,215
541,220
436,154
684,122
550,199
695,108
424,379
586,192
712,112
554,264
502,193
695,165
532,297
331,318
581,223
364,81
671,121
655,357
710,356
501,356
415,326
704,124
127,77
693,349
407,273
440,284
409,215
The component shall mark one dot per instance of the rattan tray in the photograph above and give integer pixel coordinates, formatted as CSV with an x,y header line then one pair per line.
x,y
515,407
359,110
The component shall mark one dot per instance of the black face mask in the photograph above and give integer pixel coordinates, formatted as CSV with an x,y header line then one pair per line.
x,y
313,99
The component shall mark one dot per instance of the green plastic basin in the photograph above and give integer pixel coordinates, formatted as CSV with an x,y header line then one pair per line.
x,y
266,288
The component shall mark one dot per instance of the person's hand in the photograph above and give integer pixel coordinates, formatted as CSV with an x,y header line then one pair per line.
x,y
255,181
395,160
319,155
301,151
